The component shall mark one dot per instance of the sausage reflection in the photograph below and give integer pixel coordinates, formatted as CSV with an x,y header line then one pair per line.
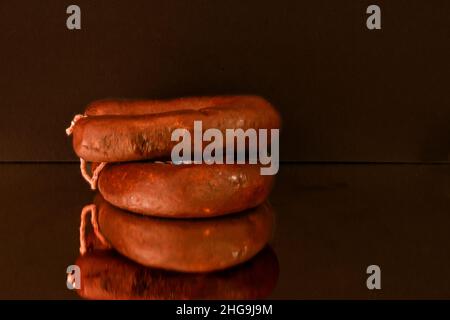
x,y
186,245
107,275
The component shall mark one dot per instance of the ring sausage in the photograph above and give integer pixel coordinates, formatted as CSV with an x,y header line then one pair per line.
x,y
129,130
207,190
187,245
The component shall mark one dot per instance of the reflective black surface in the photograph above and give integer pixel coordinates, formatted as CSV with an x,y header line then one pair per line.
x,y
332,222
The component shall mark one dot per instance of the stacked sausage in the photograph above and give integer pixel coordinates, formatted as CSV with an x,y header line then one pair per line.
x,y
181,217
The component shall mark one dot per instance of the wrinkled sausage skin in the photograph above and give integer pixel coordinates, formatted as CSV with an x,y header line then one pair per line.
x,y
130,130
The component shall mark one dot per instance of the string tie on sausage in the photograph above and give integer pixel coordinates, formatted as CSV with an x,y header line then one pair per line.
x,y
91,180
92,209
71,279
77,117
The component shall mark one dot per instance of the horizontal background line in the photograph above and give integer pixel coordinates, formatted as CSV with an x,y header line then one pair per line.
x,y
285,162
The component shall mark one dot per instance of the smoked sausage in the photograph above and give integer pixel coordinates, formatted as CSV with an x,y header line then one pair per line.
x,y
130,130
206,190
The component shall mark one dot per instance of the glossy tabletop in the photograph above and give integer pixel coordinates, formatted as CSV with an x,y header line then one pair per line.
x,y
332,222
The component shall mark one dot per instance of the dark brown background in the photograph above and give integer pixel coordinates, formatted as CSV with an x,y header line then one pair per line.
x,y
345,93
